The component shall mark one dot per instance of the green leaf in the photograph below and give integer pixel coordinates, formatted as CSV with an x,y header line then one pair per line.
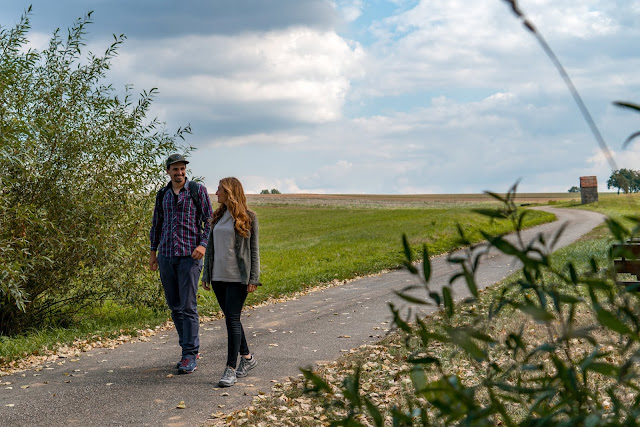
x,y
426,264
608,320
378,420
412,268
410,298
418,378
501,244
491,213
407,249
397,319
464,341
424,361
319,385
539,314
573,274
448,301
627,105
436,297
606,369
471,281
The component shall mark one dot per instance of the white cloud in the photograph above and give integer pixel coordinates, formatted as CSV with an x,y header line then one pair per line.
x,y
255,184
350,9
259,138
298,74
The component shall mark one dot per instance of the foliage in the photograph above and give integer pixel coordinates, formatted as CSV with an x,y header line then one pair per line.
x,y
274,191
627,180
574,189
79,164
550,383
265,191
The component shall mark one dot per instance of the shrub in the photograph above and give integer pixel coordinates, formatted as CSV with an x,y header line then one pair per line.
x,y
579,375
79,163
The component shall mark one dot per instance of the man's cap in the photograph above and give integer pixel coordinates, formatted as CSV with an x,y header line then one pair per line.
x,y
175,158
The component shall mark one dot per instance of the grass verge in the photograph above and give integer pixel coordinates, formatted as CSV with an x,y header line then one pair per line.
x,y
300,247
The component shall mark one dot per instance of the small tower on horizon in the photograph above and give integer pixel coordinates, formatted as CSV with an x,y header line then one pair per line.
x,y
588,189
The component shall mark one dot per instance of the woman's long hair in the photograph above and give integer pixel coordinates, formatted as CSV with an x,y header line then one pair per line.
x,y
237,205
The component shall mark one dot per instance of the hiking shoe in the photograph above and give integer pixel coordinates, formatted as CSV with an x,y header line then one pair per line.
x,y
187,365
228,378
180,362
245,366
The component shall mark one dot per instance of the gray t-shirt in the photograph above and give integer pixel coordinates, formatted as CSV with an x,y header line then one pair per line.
x,y
225,264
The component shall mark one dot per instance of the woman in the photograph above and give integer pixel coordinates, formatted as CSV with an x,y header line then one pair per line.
x,y
232,269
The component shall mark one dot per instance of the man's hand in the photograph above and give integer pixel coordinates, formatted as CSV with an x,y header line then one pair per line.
x,y
153,261
198,252
206,286
251,287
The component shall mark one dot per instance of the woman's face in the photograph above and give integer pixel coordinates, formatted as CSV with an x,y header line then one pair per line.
x,y
222,195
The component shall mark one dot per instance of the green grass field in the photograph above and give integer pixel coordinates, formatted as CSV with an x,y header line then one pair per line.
x,y
302,246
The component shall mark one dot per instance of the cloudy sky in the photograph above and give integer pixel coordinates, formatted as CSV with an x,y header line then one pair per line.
x,y
375,96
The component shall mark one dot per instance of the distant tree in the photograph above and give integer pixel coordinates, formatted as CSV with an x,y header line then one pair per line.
x,y
627,180
274,191
574,189
264,192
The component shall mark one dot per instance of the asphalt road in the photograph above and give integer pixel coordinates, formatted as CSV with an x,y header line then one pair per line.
x,y
132,383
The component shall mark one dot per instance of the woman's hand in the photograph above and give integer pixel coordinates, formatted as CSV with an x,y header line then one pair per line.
x,y
206,286
251,287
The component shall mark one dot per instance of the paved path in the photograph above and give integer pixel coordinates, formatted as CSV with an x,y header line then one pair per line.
x,y
131,385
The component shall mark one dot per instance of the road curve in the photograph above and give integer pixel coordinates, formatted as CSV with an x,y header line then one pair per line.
x,y
132,384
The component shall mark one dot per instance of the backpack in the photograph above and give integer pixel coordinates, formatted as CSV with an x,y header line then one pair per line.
x,y
193,192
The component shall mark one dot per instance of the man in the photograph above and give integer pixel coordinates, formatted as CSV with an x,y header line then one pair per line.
x,y
179,233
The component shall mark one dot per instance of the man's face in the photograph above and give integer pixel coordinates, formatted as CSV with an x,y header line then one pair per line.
x,y
177,172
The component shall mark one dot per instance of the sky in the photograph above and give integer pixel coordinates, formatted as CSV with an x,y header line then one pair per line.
x,y
375,96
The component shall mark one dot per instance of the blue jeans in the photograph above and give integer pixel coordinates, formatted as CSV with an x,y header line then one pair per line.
x,y
179,276
231,297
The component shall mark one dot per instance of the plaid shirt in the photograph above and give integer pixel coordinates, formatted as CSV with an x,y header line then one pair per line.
x,y
179,234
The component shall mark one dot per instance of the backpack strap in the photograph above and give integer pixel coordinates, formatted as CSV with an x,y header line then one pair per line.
x,y
193,193
195,196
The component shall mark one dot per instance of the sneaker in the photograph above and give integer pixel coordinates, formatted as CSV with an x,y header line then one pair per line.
x,y
180,362
245,366
228,378
187,365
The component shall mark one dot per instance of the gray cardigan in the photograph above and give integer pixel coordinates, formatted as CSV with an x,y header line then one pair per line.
x,y
247,254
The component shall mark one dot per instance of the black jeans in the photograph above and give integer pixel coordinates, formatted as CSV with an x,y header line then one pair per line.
x,y
231,297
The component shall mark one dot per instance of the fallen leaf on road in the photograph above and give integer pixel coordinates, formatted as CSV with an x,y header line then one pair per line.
x,y
217,415
10,405
109,384
181,405
170,376
344,336
224,394
273,345
24,386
